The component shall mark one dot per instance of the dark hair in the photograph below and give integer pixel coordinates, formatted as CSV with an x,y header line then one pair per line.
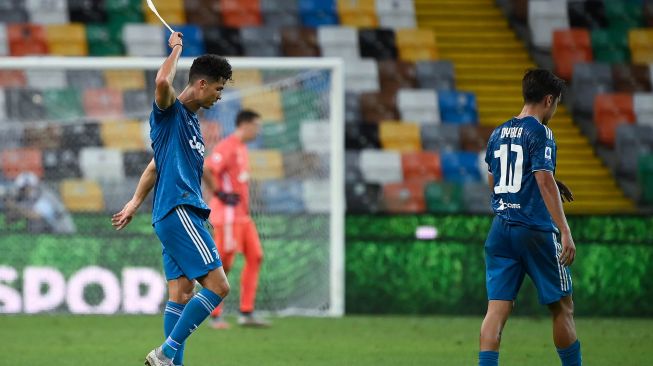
x,y
538,83
245,116
210,67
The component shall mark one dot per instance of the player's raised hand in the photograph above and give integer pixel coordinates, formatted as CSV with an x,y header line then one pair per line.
x,y
568,253
565,192
176,38
125,216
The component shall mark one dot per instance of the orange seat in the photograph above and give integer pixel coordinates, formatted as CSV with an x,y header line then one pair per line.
x,y
241,13
12,78
67,39
125,79
640,42
610,111
570,46
103,103
398,136
357,13
421,166
406,197
26,39
81,195
16,161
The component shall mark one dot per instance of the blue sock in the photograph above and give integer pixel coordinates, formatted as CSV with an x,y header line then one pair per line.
x,y
197,309
571,356
488,358
171,315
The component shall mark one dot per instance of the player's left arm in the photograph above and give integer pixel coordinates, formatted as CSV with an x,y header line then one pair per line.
x,y
145,185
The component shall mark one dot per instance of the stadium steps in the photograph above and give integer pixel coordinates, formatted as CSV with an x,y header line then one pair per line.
x,y
489,60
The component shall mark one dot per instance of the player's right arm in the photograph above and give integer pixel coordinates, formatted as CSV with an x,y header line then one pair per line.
x,y
145,185
164,95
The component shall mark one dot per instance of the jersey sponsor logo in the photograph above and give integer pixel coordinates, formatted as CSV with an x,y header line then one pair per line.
x,y
505,205
547,153
196,145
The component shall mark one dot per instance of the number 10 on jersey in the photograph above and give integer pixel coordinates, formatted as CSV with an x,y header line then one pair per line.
x,y
511,175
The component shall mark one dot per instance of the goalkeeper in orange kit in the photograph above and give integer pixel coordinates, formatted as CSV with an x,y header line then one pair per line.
x,y
235,231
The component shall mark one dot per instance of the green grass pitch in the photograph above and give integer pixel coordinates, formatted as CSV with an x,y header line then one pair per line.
x,y
352,340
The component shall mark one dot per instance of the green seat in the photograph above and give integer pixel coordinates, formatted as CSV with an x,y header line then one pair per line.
x,y
124,11
105,40
303,105
624,14
443,197
63,104
610,45
280,136
645,176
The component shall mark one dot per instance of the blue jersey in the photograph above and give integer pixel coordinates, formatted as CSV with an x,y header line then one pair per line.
x,y
179,158
516,150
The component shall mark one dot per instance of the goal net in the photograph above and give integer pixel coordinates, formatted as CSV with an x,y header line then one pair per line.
x,y
74,139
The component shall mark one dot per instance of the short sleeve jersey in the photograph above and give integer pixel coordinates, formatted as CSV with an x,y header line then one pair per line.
x,y
516,150
179,158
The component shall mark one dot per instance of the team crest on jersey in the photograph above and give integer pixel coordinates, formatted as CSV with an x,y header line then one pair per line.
x,y
196,145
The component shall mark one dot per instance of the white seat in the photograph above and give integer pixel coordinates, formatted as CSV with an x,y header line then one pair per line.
x,y
317,195
4,42
643,106
3,106
362,76
48,11
339,42
378,166
396,13
46,79
144,40
102,165
545,16
418,105
397,21
315,136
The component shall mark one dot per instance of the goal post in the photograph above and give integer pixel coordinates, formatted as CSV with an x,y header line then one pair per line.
x,y
299,99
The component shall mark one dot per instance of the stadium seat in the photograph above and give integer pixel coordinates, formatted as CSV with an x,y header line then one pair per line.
x,y
317,195
124,11
400,136
4,40
299,42
25,104
631,141
416,44
12,78
588,14
103,103
60,163
357,13
394,75
193,40
247,78
47,11
42,136
362,76
203,13
305,165
46,79
282,136
102,164
405,197
474,138
381,166
261,41
83,79
543,19
84,11
13,12
241,13
643,107
316,136
315,13
476,198
63,104
352,108
26,39
624,14
280,13
135,162
460,167
645,177
396,14
610,45
611,110
588,80
445,137
115,195
458,107
648,13
25,159
631,78
13,135
81,195
171,10
282,196
378,44
438,75
3,106
266,164
144,39
570,46
122,135
124,79
352,167
104,40
376,107
339,42
421,166
640,42
443,197
419,105
267,103
223,41
363,197
78,136
362,136
136,103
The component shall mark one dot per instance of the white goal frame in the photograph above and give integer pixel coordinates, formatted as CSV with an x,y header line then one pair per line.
x,y
336,121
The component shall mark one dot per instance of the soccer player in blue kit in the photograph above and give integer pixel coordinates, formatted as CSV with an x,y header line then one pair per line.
x,y
529,234
179,212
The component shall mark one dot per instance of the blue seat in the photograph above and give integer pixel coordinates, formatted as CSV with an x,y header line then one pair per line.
x,y
458,107
193,40
314,13
282,196
460,167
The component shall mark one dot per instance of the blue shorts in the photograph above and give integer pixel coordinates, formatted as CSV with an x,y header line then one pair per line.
x,y
188,249
511,251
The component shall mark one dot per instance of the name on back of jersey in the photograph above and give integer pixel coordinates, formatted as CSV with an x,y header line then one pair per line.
x,y
511,132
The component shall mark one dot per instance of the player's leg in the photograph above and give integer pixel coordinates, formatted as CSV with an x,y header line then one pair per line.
x,y
180,291
253,253
504,276
554,287
223,234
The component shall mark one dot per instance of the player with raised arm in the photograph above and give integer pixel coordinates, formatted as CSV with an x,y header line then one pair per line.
x,y
179,212
529,234
235,231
